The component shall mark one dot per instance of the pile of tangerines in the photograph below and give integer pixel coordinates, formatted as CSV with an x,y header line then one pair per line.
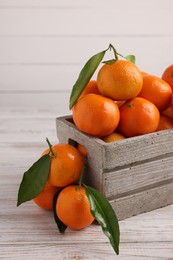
x,y
72,206
125,102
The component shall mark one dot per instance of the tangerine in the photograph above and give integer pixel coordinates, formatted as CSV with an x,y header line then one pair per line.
x,y
91,87
144,73
172,100
73,207
138,116
165,122
121,80
168,111
45,198
66,166
168,75
82,150
113,137
96,115
156,90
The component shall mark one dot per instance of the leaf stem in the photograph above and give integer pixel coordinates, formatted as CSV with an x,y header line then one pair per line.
x,y
81,177
50,147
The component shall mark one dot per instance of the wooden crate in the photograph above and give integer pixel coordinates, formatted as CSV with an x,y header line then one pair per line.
x,y
135,174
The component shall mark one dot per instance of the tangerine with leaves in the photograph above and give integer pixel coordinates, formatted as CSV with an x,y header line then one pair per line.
x,y
157,91
45,198
66,165
73,207
138,116
96,115
168,75
121,80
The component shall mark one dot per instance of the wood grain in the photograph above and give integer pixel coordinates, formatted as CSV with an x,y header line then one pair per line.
x,y
135,174
28,232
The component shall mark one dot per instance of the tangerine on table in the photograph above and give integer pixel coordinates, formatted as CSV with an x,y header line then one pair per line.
x,y
157,91
66,167
121,80
91,88
138,116
96,115
168,75
165,122
73,207
45,198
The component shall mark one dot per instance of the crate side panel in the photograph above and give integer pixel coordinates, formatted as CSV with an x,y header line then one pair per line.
x,y
144,201
138,176
138,149
66,131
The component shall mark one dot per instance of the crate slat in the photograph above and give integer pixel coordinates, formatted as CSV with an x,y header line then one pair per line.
x,y
135,174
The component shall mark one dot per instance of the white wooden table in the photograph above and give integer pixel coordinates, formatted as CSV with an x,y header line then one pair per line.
x,y
28,232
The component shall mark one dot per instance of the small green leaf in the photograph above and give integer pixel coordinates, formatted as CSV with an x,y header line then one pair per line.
x,y
85,75
131,58
34,180
103,212
61,226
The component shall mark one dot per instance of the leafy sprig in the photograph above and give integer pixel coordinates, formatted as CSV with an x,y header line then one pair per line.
x,y
89,69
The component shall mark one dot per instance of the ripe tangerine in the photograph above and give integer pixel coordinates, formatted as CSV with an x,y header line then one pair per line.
x,y
45,198
67,165
138,116
113,137
165,122
168,75
157,91
96,115
91,88
73,207
121,80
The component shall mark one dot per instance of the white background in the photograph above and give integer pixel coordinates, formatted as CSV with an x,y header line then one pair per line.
x,y
45,43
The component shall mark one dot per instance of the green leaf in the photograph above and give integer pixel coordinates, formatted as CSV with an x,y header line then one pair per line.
x,y
85,75
131,58
103,212
34,180
61,226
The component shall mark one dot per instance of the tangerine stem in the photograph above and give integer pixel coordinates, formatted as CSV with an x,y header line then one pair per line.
x,y
50,147
114,50
121,55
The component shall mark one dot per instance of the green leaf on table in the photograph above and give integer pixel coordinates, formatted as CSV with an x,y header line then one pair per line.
x,y
61,226
34,180
131,58
85,75
103,212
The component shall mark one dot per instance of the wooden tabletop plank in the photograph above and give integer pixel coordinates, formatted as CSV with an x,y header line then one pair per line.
x,y
28,232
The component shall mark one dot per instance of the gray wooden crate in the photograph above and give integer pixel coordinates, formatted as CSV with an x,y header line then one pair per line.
x,y
135,174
